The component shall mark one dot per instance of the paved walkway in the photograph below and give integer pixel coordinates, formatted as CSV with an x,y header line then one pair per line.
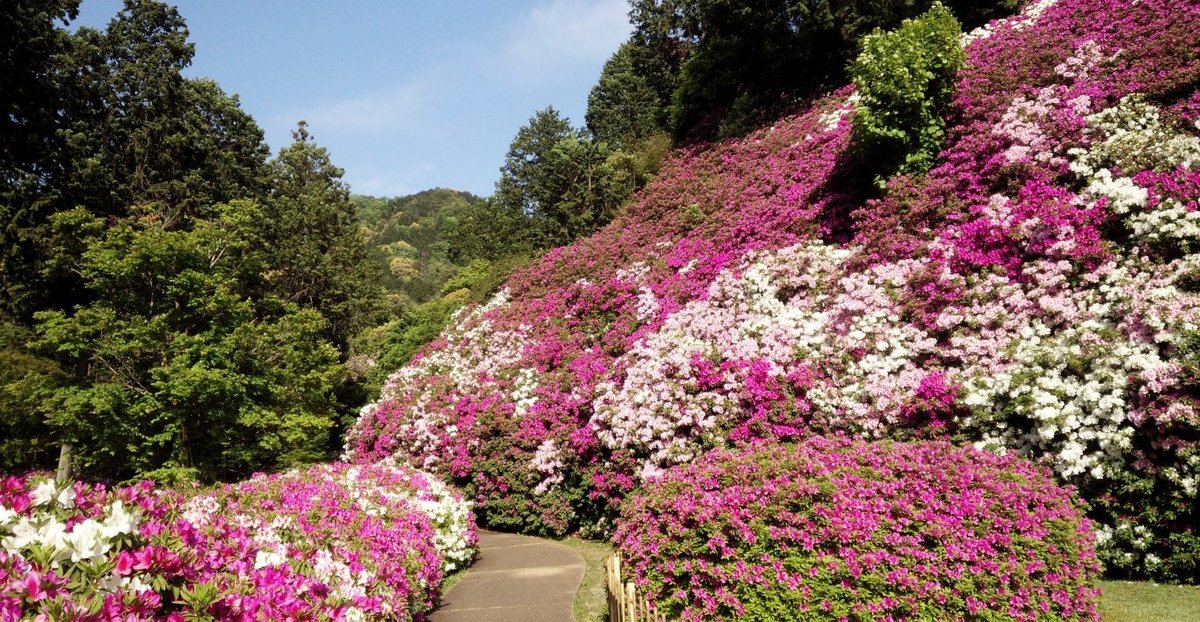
x,y
516,579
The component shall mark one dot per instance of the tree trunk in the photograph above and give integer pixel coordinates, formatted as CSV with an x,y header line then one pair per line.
x,y
64,464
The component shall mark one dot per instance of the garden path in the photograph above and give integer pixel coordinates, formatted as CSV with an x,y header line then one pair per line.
x,y
516,578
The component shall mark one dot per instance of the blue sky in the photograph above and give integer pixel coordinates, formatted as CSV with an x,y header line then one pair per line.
x,y
405,95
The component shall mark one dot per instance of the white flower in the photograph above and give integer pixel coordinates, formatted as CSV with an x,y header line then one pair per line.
x,y
87,541
49,492
120,521
265,558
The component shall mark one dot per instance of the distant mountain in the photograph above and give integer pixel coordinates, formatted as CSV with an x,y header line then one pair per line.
x,y
410,237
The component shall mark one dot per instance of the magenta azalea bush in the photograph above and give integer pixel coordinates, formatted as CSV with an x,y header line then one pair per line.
x,y
333,542
1035,293
840,529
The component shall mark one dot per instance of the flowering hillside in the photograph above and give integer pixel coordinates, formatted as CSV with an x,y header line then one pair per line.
x,y
1035,293
334,542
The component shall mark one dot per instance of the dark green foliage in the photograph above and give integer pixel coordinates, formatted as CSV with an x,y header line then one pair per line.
x,y
520,187
392,345
624,107
736,63
491,230
580,189
484,278
905,79
410,238
178,307
370,210
638,161
310,229
32,88
1157,516
106,121
558,180
26,441
178,365
142,134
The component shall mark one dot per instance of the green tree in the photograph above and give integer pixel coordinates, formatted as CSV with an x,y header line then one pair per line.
x,y
393,344
177,367
32,90
143,134
624,107
117,127
558,179
318,259
411,237
906,79
26,381
492,230
582,190
737,62
521,176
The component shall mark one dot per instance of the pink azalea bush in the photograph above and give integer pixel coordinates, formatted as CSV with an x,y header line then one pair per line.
x,y
833,528
1033,294
334,542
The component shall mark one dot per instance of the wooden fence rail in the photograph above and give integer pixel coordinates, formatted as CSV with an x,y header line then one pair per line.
x,y
624,602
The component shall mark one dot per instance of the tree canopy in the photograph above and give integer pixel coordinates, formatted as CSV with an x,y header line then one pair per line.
x,y
733,64
181,368
557,180
174,304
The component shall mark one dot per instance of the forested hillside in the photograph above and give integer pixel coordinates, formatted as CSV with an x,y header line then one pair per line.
x,y
411,238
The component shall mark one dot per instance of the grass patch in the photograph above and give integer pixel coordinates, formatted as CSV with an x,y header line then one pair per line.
x,y
1140,601
453,579
591,601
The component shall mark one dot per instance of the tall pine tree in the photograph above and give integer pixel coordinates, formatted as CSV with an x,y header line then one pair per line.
x,y
319,259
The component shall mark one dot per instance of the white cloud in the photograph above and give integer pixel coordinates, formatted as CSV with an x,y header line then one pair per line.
x,y
557,33
375,181
389,109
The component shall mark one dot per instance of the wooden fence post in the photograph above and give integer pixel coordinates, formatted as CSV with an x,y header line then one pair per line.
x,y
624,602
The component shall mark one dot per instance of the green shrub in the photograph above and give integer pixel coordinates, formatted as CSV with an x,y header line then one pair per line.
x,y
905,79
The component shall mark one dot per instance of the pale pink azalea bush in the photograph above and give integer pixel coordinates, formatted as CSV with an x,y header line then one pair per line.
x,y
832,528
1034,294
333,542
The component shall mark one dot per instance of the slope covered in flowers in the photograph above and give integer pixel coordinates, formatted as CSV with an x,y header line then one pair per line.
x,y
1035,293
334,542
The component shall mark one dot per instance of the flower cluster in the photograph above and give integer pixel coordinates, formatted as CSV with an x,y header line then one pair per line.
x,y
1034,293
335,542
838,529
